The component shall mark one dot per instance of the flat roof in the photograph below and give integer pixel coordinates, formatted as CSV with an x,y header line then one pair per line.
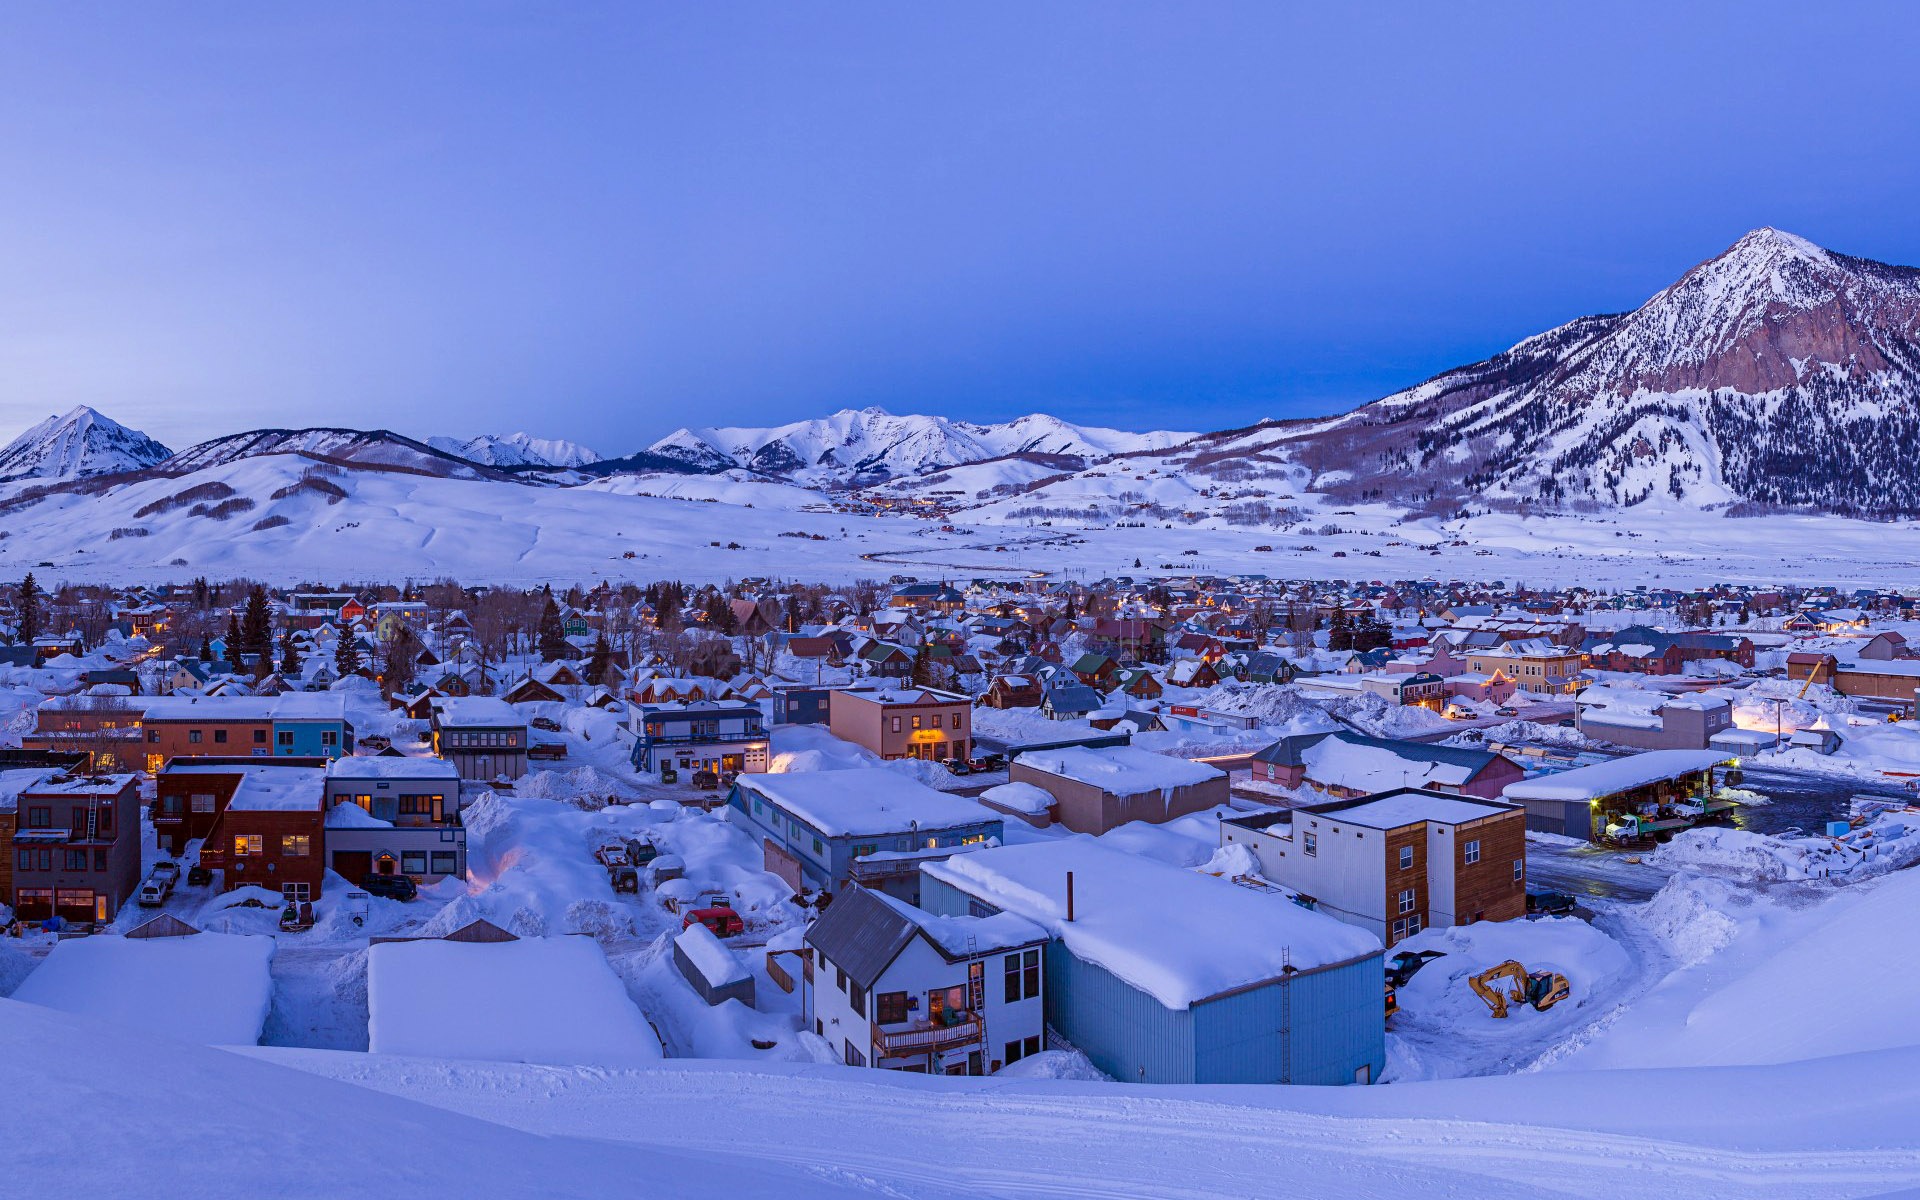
x,y
1617,775
390,766
867,800
1180,936
1120,770
1391,810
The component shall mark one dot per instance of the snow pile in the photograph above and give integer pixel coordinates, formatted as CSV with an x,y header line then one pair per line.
x,y
1691,917
582,787
1020,797
1889,843
15,965
1054,1064
1438,1001
208,987
539,1000
1381,717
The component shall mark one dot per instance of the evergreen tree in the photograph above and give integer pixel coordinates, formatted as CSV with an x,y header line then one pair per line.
x,y
1340,634
289,657
33,617
401,661
256,627
553,633
206,649
600,663
346,654
235,644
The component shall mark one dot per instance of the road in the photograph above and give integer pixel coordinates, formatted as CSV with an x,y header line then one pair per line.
x,y
1804,800
1591,872
1015,546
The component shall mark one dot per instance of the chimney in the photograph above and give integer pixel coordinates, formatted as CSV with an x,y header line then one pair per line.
x,y
1069,895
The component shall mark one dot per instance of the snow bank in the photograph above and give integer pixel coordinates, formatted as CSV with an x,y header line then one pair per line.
x,y
539,1000
213,988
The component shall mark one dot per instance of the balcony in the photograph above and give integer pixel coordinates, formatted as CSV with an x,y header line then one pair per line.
x,y
924,1037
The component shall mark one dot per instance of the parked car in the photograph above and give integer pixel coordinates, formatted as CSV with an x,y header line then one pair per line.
x,y
1552,904
1506,712
547,750
723,922
547,723
1404,965
199,876
706,781
983,763
153,892
167,869
393,887
959,766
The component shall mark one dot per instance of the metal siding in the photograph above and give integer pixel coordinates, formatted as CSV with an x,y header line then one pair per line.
x,y
1123,1030
1337,1021
942,899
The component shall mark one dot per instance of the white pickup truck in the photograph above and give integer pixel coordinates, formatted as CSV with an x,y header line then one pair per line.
x,y
159,884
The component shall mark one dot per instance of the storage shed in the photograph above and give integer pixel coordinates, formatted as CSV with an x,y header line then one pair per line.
x,y
1163,975
710,968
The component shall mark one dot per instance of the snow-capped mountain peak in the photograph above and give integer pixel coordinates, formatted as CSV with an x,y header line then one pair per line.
x,y
872,443
77,443
517,450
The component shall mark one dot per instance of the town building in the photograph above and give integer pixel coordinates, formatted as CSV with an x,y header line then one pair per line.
x,y
1348,765
1397,862
1645,720
1164,975
904,721
390,815
890,985
482,736
1536,664
269,825
75,846
874,826
1626,800
1097,790
711,736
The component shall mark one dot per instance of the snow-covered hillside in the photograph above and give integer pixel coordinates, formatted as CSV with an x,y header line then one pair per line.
x,y
376,449
517,450
78,443
873,444
1775,374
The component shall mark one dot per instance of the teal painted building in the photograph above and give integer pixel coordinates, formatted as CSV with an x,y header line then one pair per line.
x,y
311,725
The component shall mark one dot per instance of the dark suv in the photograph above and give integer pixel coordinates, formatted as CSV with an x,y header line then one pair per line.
x,y
393,887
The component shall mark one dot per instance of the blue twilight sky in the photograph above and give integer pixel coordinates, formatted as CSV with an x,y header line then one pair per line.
x,y
604,221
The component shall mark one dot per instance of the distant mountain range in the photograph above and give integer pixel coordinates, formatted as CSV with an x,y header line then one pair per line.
x,y
872,445
1776,375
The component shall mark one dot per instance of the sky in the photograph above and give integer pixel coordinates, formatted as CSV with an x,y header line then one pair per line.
x,y
602,222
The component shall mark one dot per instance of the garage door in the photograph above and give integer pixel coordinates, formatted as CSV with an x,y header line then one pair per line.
x,y
353,865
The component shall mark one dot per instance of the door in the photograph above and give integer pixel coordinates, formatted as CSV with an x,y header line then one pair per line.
x,y
386,865
438,807
353,865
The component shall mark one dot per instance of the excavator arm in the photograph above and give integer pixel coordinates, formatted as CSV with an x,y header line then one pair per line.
x,y
1496,998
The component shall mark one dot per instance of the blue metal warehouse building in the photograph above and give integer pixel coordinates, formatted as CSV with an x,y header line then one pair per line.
x,y
1166,976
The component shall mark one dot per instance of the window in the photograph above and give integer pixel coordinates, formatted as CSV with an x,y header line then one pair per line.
x,y
23,860
294,845
956,720
413,806
283,737
1022,975
413,862
106,818
1032,1044
1310,844
248,843
40,816
1014,1051
446,862
1406,858
74,860
203,802
916,722
220,736
153,735
1413,925
1472,852
857,998
260,736
1406,900
1399,929
890,1008
193,736
896,724
840,979
329,737
1519,869
977,909
854,1057
100,858
43,860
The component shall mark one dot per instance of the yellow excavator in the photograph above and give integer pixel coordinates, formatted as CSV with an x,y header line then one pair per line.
x,y
1542,989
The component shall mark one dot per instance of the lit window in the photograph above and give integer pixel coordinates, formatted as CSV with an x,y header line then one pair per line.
x,y
248,843
294,845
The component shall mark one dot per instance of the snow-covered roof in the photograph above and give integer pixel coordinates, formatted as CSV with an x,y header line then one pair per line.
x,y
348,815
1019,797
1617,775
484,711
1179,936
1119,770
539,1000
1391,810
208,987
387,766
718,965
868,800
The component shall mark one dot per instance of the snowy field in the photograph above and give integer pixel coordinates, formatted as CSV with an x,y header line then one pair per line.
x,y
391,524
